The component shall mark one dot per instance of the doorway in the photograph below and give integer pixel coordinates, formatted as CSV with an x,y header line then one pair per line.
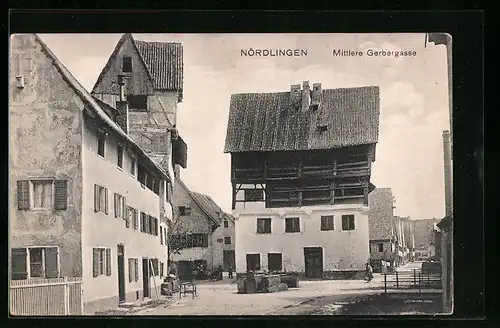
x,y
228,258
313,259
145,277
121,274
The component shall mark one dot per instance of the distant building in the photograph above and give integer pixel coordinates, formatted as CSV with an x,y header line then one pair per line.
x,y
424,233
300,173
202,234
382,229
87,202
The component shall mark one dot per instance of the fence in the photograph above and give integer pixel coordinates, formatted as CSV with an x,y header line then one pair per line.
x,y
58,296
414,279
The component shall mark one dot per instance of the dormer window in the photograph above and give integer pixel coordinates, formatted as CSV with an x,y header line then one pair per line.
x,y
127,64
322,128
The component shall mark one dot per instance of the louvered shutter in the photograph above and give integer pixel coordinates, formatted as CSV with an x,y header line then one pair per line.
x,y
161,236
96,198
136,269
161,269
205,240
124,207
116,205
130,270
128,217
135,218
23,195
51,263
61,194
156,227
95,262
19,264
108,261
106,200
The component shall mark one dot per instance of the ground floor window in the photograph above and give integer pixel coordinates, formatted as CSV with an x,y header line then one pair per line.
x,y
253,262
133,269
274,261
101,261
34,262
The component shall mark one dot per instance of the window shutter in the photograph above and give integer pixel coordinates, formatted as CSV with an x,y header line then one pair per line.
x,y
108,261
116,205
95,262
136,269
156,227
51,264
61,194
124,208
161,269
128,216
130,269
106,200
19,269
23,195
136,223
96,198
323,223
205,240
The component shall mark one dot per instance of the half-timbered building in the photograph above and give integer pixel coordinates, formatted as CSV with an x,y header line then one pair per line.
x,y
300,173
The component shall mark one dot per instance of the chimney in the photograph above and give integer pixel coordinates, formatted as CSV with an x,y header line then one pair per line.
x,y
306,96
316,96
295,95
448,183
122,105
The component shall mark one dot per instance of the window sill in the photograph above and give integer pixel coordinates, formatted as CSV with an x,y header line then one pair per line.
x,y
119,168
263,233
327,230
101,157
39,209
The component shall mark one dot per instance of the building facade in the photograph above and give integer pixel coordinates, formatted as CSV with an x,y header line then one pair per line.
x,y
89,202
383,239
300,173
202,234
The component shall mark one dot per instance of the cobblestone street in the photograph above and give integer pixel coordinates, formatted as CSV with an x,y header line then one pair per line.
x,y
223,299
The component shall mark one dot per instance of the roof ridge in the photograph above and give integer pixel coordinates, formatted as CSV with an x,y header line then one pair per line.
x,y
333,89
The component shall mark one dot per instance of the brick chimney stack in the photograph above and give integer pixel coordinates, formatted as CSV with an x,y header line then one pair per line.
x,y
122,105
295,94
306,96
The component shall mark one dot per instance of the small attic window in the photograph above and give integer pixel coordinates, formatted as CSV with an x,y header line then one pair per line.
x,y
314,106
322,128
127,64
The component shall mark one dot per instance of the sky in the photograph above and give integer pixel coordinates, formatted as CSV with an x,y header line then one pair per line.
x,y
413,99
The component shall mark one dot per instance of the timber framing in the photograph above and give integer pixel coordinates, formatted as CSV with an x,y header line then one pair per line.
x,y
305,178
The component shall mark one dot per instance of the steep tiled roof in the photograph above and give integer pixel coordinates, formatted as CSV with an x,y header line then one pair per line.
x,y
206,206
164,62
93,106
269,122
380,215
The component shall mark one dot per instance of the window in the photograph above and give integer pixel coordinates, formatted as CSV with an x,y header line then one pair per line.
x,y
226,224
220,240
274,262
199,240
161,235
227,240
168,193
254,195
380,247
42,194
135,219
35,262
119,154
292,225
101,142
133,270
127,64
327,223
143,222
138,102
184,210
253,262
131,218
161,269
348,222
100,199
101,262
132,165
263,225
120,206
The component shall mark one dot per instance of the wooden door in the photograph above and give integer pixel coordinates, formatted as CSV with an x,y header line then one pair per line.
x,y
145,277
121,273
313,259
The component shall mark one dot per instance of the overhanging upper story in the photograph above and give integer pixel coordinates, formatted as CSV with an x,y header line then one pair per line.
x,y
303,147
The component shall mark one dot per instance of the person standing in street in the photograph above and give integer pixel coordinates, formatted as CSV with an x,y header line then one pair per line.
x,y
230,271
369,272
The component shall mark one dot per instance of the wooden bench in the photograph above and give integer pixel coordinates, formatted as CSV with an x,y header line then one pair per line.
x,y
187,287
